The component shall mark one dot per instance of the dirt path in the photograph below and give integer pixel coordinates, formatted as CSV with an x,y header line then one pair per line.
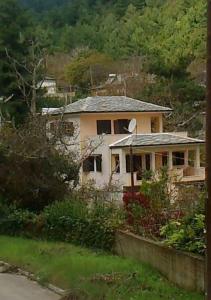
x,y
15,287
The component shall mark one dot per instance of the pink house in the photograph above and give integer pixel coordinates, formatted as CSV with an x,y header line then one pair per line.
x,y
103,122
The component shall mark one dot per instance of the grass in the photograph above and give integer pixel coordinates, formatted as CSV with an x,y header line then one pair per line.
x,y
91,275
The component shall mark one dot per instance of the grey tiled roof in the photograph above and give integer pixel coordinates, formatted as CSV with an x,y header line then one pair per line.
x,y
102,104
154,139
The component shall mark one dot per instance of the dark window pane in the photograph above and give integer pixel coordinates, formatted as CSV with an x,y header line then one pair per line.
x,y
103,126
88,164
148,159
178,158
99,163
66,128
121,126
137,163
128,163
164,159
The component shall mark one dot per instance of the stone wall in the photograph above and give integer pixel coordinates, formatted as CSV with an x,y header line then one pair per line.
x,y
184,269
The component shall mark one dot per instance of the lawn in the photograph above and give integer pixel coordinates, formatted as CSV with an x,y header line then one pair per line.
x,y
91,275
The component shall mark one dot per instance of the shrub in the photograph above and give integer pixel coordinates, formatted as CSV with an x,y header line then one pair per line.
x,y
186,234
150,209
92,225
17,222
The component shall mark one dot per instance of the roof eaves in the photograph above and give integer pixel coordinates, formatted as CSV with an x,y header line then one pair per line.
x,y
153,145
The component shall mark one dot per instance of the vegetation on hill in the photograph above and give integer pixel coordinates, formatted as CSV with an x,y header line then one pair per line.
x,y
169,36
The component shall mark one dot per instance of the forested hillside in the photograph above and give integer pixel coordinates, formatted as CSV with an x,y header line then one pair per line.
x,y
169,36
171,33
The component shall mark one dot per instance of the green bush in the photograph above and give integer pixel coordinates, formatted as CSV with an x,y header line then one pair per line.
x,y
16,222
77,221
91,225
186,234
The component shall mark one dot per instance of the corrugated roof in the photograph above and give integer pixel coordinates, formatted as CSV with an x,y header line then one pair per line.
x,y
154,139
100,104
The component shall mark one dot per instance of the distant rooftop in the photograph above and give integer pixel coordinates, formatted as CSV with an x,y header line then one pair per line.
x,y
48,110
102,104
154,139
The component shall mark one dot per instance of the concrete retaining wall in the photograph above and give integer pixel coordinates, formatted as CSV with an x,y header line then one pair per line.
x,y
184,269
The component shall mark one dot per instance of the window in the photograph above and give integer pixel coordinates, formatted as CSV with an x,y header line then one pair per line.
x,y
53,127
98,159
66,128
155,127
115,163
148,162
62,127
103,126
137,163
164,159
121,126
93,164
88,164
178,158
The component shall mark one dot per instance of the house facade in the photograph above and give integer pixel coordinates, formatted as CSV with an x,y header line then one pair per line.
x,y
98,129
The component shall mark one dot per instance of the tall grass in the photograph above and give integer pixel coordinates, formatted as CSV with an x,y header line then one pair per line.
x,y
91,275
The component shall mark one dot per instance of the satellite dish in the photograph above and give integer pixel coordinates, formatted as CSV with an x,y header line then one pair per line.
x,y
132,125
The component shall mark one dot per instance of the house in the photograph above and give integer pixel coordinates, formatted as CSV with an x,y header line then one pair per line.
x,y
49,85
105,120
56,89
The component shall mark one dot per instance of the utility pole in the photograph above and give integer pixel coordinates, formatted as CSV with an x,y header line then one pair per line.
x,y
132,171
208,157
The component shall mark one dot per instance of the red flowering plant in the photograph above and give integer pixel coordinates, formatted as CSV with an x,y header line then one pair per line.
x,y
151,208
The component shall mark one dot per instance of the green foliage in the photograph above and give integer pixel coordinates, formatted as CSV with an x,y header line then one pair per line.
x,y
157,189
13,24
89,224
168,35
182,94
17,222
33,173
87,68
78,222
187,234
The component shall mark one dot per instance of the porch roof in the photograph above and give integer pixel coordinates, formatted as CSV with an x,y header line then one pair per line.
x,y
154,139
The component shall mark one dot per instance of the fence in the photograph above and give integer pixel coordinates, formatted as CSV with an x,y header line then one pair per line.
x,y
184,269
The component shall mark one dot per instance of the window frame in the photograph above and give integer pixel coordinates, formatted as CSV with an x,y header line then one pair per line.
x,y
96,164
61,127
121,129
100,130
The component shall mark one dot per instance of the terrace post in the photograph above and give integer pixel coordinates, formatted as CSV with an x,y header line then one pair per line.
x,y
170,160
153,161
186,158
143,158
197,158
122,162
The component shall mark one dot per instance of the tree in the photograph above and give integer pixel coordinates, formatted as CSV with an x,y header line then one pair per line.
x,y
30,71
14,22
89,68
33,172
